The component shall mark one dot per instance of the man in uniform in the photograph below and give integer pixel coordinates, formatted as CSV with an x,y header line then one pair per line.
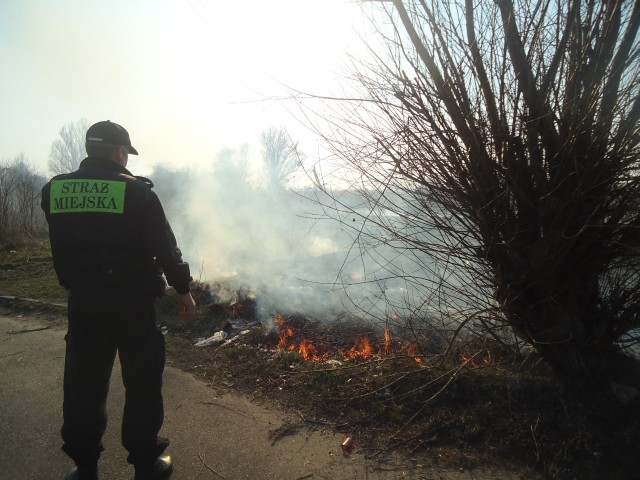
x,y
111,244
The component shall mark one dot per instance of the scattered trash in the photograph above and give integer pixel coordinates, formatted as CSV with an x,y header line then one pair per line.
x,y
164,330
214,339
231,340
221,338
347,446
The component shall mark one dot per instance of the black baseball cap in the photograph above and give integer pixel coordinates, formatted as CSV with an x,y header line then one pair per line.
x,y
109,133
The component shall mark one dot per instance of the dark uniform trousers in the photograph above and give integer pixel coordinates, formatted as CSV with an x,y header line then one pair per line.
x,y
104,320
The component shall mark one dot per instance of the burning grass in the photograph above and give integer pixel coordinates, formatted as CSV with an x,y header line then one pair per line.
x,y
461,417
472,406
318,343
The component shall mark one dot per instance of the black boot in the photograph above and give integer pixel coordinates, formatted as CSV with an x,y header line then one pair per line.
x,y
77,473
160,470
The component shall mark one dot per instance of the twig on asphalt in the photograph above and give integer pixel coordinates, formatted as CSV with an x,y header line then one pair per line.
x,y
28,330
204,454
210,469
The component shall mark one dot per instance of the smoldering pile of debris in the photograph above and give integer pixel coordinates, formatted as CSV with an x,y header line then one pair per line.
x,y
222,314
225,317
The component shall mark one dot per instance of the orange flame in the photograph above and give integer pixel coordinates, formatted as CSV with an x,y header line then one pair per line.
x,y
414,351
471,361
362,349
387,341
285,334
307,350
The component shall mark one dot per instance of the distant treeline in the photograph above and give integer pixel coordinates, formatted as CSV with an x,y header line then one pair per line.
x,y
20,213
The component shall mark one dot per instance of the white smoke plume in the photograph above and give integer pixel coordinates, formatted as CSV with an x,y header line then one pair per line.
x,y
232,230
280,245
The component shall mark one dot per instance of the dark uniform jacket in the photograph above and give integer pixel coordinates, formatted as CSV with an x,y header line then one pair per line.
x,y
108,227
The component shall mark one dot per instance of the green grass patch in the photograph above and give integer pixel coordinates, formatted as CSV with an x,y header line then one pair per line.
x,y
26,270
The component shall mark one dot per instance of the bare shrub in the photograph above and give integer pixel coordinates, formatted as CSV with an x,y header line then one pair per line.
x,y
494,151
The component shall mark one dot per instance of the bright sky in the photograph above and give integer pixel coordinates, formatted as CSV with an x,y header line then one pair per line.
x,y
185,77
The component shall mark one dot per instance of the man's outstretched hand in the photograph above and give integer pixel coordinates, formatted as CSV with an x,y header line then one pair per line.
x,y
186,306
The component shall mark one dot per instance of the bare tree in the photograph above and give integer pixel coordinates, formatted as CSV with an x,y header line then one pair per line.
x,y
20,213
7,201
233,165
280,155
68,150
504,139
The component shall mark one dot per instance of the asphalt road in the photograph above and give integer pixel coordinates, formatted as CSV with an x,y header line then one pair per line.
x,y
214,433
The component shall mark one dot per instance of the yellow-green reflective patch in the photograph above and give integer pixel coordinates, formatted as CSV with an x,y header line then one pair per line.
x,y
87,195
